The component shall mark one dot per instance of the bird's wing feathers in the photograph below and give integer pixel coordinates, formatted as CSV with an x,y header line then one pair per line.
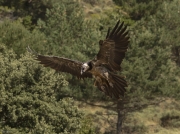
x,y
62,64
113,48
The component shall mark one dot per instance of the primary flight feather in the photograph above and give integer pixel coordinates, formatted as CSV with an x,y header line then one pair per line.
x,y
103,67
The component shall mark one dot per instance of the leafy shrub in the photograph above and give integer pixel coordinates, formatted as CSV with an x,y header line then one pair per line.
x,y
138,9
29,99
15,36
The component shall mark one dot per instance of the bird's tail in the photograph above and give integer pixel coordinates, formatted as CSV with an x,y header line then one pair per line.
x,y
115,87
118,85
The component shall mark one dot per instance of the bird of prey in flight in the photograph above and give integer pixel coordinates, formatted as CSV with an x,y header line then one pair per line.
x,y
103,67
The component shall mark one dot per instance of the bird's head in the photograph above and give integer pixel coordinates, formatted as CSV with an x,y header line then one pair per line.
x,y
85,67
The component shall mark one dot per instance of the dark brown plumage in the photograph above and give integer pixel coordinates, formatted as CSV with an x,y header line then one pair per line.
x,y
113,48
63,65
103,67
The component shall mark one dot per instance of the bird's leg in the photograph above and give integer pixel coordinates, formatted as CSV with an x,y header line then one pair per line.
x,y
95,83
104,85
106,74
97,79
100,82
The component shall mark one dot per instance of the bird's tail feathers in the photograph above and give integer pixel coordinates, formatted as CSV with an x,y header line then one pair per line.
x,y
116,87
119,84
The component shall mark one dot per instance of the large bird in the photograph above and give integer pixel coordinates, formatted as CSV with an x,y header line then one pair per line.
x,y
103,67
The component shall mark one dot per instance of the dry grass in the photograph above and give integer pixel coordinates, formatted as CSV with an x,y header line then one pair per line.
x,y
103,115
96,9
150,120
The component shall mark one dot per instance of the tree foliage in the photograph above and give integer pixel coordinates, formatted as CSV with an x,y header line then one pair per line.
x,y
149,49
138,9
28,10
148,66
29,98
168,19
67,31
15,36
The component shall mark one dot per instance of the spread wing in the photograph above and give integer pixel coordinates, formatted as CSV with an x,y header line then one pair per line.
x,y
61,64
113,48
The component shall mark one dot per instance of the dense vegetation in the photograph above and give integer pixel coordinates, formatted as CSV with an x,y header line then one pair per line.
x,y
38,100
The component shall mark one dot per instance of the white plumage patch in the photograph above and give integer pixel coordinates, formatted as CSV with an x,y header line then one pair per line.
x,y
107,75
84,68
85,65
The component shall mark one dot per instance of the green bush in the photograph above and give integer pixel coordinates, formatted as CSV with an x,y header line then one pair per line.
x,y
15,36
148,65
29,99
138,9
24,8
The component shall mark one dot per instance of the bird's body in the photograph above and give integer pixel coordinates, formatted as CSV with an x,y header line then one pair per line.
x,y
107,81
103,67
